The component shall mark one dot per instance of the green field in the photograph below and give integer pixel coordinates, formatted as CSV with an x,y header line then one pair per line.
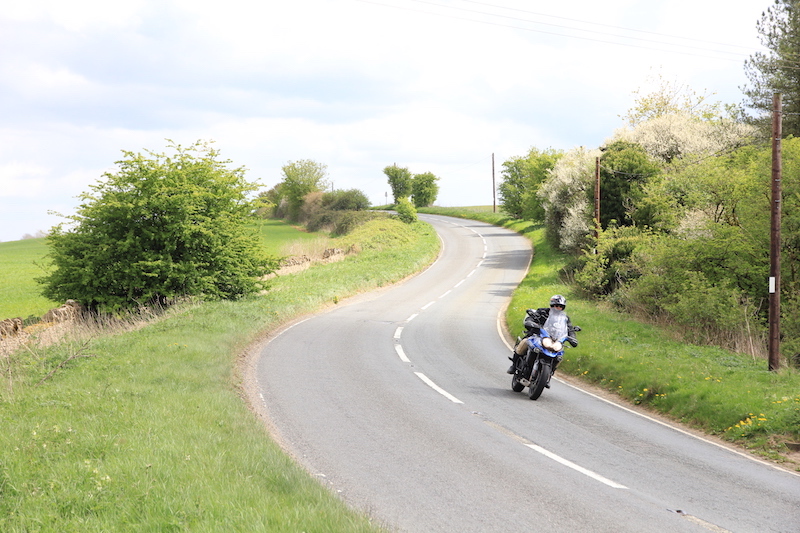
x,y
20,263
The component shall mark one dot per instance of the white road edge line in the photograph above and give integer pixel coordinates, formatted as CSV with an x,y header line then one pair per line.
x,y
670,426
570,464
437,388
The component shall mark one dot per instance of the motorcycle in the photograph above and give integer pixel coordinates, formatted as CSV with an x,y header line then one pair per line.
x,y
535,369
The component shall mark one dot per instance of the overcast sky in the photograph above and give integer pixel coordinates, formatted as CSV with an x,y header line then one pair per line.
x,y
435,85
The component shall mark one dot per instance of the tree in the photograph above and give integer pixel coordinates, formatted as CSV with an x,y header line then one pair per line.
x,y
625,169
522,177
299,179
685,138
160,227
564,195
674,123
672,98
777,70
399,180
424,189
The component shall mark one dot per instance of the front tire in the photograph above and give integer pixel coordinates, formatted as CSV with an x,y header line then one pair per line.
x,y
537,386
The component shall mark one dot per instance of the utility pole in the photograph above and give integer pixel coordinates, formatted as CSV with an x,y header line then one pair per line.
x,y
596,198
494,189
775,239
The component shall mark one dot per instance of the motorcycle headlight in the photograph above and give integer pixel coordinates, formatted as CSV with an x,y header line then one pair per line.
x,y
552,345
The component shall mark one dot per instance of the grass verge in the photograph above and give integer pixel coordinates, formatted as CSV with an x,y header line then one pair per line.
x,y
726,394
147,430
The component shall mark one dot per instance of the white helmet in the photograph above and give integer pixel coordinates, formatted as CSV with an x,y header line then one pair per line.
x,y
558,300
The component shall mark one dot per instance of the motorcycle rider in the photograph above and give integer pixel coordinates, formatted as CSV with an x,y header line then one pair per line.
x,y
551,319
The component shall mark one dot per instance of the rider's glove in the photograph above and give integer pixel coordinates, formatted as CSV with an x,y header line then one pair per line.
x,y
572,341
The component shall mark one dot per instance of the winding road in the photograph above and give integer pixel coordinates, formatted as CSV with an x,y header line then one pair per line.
x,y
399,402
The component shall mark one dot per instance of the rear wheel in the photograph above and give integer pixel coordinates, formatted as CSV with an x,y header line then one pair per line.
x,y
539,381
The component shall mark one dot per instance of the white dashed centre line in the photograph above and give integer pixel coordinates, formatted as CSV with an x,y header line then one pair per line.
x,y
437,388
578,468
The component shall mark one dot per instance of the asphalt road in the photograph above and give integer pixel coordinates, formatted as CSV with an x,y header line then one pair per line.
x,y
399,402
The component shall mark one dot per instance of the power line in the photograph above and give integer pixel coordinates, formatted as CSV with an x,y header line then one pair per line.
x,y
608,25
570,27
516,27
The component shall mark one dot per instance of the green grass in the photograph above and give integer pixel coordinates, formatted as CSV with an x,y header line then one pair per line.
x,y
147,430
21,262
727,394
277,234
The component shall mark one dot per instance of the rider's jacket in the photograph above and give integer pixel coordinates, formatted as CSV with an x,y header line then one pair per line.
x,y
535,319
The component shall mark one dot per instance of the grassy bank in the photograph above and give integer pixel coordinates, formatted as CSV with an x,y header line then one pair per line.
x,y
147,430
723,393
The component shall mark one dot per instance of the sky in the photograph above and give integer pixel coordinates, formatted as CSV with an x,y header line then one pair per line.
x,y
438,86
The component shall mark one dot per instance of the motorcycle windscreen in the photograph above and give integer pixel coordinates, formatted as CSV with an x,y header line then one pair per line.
x,y
556,324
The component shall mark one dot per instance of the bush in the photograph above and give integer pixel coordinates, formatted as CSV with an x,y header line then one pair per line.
x,y
405,211
349,200
339,223
161,227
607,266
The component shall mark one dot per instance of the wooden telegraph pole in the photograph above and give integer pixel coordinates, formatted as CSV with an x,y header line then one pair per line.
x,y
775,239
596,198
494,189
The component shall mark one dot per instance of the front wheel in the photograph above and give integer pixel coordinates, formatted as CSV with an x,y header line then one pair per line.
x,y
538,384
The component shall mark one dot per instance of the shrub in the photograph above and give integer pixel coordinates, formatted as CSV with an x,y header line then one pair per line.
x,y
161,227
347,200
405,211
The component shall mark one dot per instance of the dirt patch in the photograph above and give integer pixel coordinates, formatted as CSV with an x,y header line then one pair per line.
x,y
298,263
35,336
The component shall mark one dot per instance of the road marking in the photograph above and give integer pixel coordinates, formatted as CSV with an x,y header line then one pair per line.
x,y
471,273
428,305
573,466
412,317
437,388
507,432
445,294
699,521
679,430
397,333
401,353
459,283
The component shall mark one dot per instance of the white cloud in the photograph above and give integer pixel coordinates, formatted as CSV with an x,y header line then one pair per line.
x,y
356,85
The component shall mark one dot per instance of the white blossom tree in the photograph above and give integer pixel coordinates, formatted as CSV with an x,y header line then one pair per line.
x,y
565,197
685,137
